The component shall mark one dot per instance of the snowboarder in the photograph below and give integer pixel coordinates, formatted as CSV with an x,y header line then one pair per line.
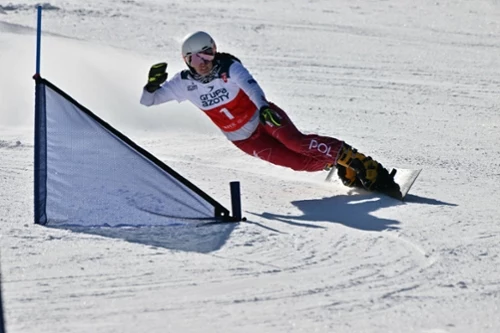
x,y
223,88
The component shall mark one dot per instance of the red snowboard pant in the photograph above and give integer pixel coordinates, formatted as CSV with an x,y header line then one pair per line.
x,y
288,147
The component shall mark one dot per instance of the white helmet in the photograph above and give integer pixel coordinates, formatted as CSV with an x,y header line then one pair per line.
x,y
197,42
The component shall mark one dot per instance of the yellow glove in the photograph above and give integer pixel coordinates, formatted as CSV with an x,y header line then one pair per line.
x,y
157,75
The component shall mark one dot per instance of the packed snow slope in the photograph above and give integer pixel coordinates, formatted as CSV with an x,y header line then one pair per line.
x,y
412,83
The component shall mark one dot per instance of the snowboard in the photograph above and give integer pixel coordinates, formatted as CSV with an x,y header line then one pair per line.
x,y
405,178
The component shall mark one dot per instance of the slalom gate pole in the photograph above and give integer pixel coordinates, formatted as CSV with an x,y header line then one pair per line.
x,y
39,115
38,39
2,321
236,201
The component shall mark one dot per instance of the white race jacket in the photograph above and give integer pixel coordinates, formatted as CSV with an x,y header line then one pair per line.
x,y
230,97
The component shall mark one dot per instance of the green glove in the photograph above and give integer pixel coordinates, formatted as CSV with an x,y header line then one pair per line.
x,y
269,117
157,75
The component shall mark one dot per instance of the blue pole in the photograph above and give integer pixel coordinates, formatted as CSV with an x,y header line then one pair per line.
x,y
2,320
38,39
236,200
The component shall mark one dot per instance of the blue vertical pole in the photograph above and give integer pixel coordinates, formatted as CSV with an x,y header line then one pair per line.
x,y
236,200
2,320
40,151
38,39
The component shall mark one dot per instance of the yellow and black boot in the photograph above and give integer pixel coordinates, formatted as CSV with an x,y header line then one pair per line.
x,y
371,174
348,176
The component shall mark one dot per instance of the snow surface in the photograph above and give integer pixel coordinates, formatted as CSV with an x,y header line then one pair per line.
x,y
412,83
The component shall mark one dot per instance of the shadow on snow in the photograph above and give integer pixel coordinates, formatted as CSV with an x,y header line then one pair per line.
x,y
185,237
354,211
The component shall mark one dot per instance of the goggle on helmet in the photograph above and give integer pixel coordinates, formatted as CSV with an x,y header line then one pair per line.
x,y
198,48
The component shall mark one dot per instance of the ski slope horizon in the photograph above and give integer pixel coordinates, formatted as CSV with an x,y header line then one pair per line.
x,y
413,85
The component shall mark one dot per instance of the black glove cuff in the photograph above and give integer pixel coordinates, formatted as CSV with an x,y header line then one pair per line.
x,y
151,87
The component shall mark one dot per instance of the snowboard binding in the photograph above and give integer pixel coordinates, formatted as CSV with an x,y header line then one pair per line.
x,y
357,170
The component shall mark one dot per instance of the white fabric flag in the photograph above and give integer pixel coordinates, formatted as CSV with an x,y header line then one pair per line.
x,y
94,176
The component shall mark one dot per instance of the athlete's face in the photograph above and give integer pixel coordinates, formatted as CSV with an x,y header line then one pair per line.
x,y
203,67
202,62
